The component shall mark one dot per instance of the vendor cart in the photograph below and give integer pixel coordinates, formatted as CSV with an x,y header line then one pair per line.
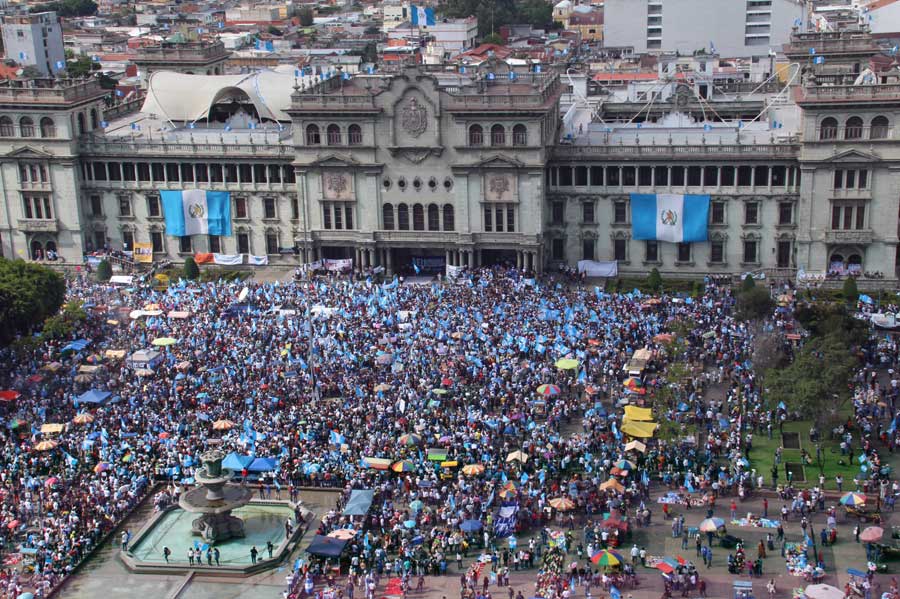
x,y
742,589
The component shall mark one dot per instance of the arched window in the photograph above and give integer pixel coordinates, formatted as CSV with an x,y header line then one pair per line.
x,y
6,127
48,127
312,135
80,123
354,135
418,217
854,128
403,217
828,129
26,127
434,218
879,128
95,122
520,135
498,135
449,225
476,135
334,135
387,216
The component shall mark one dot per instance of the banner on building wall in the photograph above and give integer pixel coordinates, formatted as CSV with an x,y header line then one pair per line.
x,y
228,259
454,271
143,253
203,258
339,265
672,217
599,269
257,260
196,212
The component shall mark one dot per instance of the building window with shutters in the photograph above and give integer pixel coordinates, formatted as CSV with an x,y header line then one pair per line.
x,y
717,252
587,249
620,212
751,251
684,252
558,213
215,244
184,245
558,249
243,243
620,249
269,208
651,251
156,240
271,243
587,212
717,213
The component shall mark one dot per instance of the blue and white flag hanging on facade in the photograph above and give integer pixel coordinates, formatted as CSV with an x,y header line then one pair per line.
x,y
197,212
421,15
669,217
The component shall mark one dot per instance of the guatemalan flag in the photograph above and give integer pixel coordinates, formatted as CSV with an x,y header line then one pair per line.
x,y
669,217
422,15
197,212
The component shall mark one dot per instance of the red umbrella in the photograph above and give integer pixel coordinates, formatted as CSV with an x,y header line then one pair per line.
x,y
163,435
9,395
13,524
446,381
664,567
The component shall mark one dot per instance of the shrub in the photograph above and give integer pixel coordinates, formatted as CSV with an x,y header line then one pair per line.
x,y
654,281
191,270
104,271
850,291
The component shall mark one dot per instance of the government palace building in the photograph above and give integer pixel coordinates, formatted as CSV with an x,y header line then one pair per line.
x,y
464,168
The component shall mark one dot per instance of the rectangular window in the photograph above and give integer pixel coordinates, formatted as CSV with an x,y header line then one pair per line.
x,y
628,176
835,217
184,244
99,171
172,171
727,176
96,206
498,219
785,213
677,176
215,173
565,176
684,252
338,217
231,173
581,176
558,213
268,207
202,173
295,209
115,171
694,179
156,239
596,175
127,240
243,243
274,173
510,218
215,244
761,177
259,173
587,249
612,176
124,206
645,176
848,217
717,252
779,176
159,173
850,180
488,219
745,176
751,213
153,209
143,171
326,216
620,249
271,243
128,171
620,212
559,249
240,207
717,213
651,251
861,216
27,208
749,251
348,215
587,212
710,176
838,179
289,176
662,175
863,182
244,173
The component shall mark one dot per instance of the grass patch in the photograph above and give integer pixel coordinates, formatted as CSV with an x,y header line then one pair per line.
x,y
763,456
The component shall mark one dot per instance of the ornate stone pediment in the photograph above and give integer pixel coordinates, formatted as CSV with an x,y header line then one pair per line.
x,y
27,152
499,161
854,156
334,160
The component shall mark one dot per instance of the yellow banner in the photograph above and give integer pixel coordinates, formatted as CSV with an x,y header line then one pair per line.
x,y
143,252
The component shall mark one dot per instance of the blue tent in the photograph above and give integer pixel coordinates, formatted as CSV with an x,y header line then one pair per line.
x,y
77,345
326,546
237,462
93,396
470,526
262,465
359,503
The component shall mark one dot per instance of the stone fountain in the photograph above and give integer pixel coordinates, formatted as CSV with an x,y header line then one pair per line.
x,y
214,499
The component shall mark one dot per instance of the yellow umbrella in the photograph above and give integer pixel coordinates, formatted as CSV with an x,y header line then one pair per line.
x,y
567,364
45,446
612,484
473,469
223,425
83,418
164,341
517,456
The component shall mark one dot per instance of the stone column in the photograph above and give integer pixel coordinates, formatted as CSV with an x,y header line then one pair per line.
x,y
389,268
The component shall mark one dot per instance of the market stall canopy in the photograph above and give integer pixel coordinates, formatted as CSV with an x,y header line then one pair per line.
x,y
51,428
642,430
378,463
121,280
237,462
823,591
77,345
325,546
359,503
635,413
263,465
636,446
115,354
93,396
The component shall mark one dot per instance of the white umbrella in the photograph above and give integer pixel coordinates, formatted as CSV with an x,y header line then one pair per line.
x,y
823,591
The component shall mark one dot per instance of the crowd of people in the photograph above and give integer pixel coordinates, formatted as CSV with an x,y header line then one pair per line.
x,y
341,380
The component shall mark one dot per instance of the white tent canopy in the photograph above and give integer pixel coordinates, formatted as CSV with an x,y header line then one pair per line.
x,y
178,97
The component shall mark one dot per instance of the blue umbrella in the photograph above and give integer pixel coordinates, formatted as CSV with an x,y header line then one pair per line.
x,y
410,524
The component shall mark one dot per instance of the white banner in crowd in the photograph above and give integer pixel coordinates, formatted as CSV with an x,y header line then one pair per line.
x,y
228,259
339,265
598,269
257,260
454,271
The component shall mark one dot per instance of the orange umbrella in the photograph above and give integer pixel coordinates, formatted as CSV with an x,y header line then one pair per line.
x,y
563,504
45,446
222,425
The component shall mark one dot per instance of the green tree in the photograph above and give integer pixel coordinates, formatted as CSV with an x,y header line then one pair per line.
x,y
81,66
654,281
305,15
32,72
754,303
191,270
850,291
370,53
104,271
62,325
68,8
29,294
748,283
493,38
